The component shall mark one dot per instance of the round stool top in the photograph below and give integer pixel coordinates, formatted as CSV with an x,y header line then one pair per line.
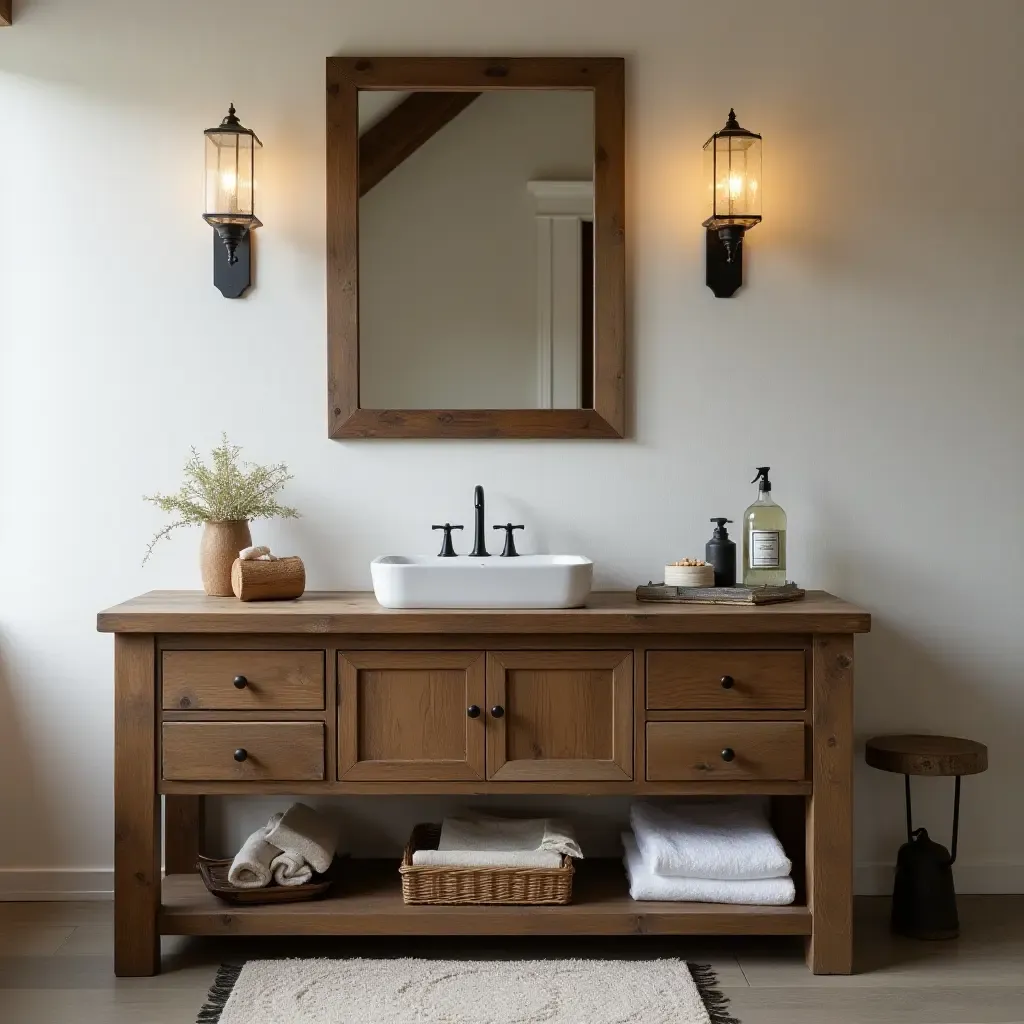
x,y
926,755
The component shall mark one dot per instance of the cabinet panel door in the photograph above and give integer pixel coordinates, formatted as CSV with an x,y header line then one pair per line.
x,y
405,715
559,715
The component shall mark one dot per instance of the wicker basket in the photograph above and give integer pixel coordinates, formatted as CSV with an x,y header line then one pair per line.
x,y
440,885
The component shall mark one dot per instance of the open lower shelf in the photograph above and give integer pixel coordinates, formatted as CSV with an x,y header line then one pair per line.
x,y
368,901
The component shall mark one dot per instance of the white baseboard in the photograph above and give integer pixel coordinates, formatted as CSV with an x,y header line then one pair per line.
x,y
43,884
31,885
995,878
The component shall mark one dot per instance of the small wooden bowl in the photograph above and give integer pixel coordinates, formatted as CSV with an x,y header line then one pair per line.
x,y
214,873
689,575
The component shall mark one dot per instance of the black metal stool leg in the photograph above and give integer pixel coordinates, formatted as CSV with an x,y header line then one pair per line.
x,y
956,820
910,817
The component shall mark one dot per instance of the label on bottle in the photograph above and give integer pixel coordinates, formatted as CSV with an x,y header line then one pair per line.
x,y
764,549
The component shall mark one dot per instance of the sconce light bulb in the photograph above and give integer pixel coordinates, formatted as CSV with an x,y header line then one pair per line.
x,y
735,186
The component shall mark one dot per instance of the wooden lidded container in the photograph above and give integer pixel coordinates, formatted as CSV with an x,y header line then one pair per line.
x,y
284,579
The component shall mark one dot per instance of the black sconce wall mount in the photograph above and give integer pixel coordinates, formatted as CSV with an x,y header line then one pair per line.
x,y
230,201
732,166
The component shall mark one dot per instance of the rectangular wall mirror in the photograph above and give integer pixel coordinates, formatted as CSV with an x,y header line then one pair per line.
x,y
475,247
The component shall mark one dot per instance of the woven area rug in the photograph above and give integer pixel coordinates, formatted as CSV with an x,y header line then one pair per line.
x,y
664,991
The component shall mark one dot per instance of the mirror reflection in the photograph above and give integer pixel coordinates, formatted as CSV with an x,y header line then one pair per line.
x,y
476,250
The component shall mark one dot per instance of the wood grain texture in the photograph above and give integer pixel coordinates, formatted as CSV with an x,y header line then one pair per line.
x,y
184,827
274,680
926,755
683,680
605,77
136,809
567,715
829,844
6,13
681,751
369,902
283,579
396,136
358,613
277,751
402,716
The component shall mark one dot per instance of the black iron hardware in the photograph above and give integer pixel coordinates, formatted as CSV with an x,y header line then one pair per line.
x,y
241,754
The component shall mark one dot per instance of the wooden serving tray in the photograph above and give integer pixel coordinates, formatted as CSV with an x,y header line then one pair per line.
x,y
656,592
214,873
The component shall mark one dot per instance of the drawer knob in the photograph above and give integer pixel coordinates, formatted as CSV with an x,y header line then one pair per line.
x,y
473,711
498,711
728,754
728,682
241,754
241,682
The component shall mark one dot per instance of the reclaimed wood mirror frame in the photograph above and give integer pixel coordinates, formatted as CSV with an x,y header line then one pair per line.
x,y
346,76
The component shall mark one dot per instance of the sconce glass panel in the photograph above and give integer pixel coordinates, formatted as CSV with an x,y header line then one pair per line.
x,y
231,172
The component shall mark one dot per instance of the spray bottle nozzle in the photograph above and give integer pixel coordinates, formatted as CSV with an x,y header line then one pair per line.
x,y
762,474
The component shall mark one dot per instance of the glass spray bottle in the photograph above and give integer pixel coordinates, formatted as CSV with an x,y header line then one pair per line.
x,y
764,537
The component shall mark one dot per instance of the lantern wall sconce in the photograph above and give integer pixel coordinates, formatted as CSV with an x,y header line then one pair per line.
x,y
732,167
230,208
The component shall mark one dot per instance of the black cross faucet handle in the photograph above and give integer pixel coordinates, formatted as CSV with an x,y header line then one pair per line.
x,y
447,551
510,541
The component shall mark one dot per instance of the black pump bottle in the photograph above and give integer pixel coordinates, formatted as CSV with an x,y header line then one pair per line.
x,y
721,553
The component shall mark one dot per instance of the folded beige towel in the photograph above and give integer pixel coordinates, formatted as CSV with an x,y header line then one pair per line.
x,y
490,834
290,869
251,867
487,859
301,832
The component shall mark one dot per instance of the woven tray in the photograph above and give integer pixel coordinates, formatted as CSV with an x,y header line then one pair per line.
x,y
445,885
215,877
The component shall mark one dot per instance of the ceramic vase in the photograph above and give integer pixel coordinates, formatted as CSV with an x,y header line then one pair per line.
x,y
217,553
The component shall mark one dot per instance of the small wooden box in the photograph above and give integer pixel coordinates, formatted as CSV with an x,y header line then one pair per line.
x,y
284,579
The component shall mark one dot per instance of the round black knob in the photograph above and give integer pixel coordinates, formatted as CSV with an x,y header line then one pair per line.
x,y
728,754
728,682
473,711
498,711
241,682
241,754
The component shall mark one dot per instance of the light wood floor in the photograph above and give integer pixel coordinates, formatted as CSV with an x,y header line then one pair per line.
x,y
55,967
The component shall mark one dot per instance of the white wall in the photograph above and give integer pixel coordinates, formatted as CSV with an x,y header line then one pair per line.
x,y
448,255
875,358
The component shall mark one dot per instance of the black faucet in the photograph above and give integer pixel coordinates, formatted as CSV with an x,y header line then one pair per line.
x,y
479,546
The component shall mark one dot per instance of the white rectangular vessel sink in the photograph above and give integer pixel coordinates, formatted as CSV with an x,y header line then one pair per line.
x,y
527,581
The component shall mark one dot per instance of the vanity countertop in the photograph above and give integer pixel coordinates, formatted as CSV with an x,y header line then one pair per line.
x,y
191,611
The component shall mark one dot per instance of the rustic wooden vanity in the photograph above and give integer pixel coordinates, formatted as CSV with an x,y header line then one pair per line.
x,y
332,694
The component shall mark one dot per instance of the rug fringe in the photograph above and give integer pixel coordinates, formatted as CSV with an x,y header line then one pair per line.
x,y
220,990
715,1003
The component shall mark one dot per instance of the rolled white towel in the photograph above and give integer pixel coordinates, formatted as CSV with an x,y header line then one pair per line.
x,y
302,832
290,869
645,885
251,867
487,858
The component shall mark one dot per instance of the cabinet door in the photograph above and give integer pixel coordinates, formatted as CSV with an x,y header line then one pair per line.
x,y
559,715
410,716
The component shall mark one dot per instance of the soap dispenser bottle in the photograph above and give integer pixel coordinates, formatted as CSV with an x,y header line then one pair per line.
x,y
764,537
721,553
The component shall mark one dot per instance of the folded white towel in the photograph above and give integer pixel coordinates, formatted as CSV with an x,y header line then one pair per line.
x,y
729,839
487,858
484,832
302,832
290,869
251,867
645,885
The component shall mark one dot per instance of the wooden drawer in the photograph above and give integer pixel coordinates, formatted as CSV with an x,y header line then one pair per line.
x,y
686,751
724,680
268,680
274,751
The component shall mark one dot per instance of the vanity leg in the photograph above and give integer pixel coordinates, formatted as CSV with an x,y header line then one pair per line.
x,y
830,808
136,809
183,833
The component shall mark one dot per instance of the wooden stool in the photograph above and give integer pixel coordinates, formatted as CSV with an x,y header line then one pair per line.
x,y
923,898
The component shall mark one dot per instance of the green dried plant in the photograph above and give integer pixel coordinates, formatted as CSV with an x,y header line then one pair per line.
x,y
223,492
